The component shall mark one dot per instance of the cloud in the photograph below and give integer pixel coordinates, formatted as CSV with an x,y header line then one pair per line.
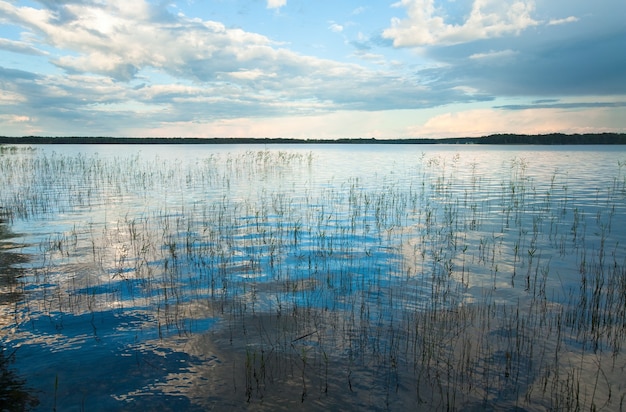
x,y
493,54
122,67
100,63
342,124
11,75
554,59
253,74
426,25
119,38
19,119
551,104
235,72
54,104
276,4
570,19
20,47
373,57
481,122
9,98
56,95
97,105
337,28
18,122
550,61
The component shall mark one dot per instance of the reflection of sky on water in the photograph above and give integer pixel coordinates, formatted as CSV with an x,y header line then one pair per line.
x,y
166,247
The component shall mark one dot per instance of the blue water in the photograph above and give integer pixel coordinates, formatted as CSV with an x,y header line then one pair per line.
x,y
121,259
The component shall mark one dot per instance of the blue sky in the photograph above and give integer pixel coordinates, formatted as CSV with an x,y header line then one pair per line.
x,y
311,69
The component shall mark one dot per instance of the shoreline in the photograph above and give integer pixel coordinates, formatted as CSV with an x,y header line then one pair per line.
x,y
495,139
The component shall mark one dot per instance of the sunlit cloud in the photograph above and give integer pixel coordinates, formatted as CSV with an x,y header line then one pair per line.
x,y
118,40
337,124
251,74
426,24
481,122
276,4
18,119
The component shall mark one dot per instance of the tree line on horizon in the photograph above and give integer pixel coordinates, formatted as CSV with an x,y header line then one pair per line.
x,y
497,139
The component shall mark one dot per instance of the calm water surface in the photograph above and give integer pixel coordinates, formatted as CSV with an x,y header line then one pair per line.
x,y
314,276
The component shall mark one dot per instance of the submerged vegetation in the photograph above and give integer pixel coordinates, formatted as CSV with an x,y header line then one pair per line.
x,y
13,394
246,279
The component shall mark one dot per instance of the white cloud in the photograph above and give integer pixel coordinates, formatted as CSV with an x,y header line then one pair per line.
x,y
213,71
20,47
374,57
276,4
426,24
15,118
466,89
8,97
494,54
250,74
570,19
19,119
118,40
337,28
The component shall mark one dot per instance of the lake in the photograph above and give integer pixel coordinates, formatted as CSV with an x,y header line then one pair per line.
x,y
313,277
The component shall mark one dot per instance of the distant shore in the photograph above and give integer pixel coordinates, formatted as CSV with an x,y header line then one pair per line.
x,y
495,139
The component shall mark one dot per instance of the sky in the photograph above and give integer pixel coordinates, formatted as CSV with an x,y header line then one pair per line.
x,y
319,69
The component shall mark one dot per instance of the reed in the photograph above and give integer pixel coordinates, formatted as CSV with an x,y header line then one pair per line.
x,y
451,291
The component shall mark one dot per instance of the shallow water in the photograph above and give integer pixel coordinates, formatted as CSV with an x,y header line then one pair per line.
x,y
315,276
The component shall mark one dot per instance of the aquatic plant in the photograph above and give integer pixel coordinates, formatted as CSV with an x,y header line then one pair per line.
x,y
447,285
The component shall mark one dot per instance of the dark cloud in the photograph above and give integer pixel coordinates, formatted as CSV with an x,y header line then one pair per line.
x,y
537,65
50,96
544,101
576,48
10,75
581,105
62,14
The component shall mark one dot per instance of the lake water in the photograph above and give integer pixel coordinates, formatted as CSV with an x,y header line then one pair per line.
x,y
316,277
